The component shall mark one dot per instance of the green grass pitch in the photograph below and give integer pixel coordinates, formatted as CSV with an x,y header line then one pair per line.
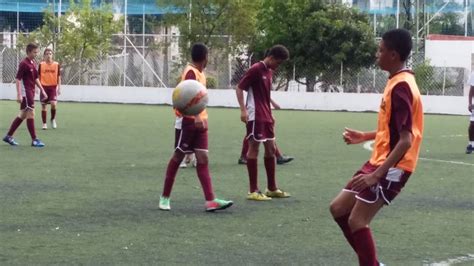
x,y
91,195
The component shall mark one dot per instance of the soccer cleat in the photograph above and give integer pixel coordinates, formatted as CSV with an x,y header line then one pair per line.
x,y
469,149
258,196
53,123
218,204
10,140
37,143
164,204
45,126
284,159
242,160
277,194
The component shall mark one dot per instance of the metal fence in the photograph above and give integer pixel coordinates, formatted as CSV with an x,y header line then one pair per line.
x,y
156,61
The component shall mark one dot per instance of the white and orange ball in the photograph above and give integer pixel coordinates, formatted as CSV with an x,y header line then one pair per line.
x,y
190,97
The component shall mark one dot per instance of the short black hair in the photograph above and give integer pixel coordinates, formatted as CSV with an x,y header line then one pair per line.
x,y
47,50
30,47
198,52
400,41
279,52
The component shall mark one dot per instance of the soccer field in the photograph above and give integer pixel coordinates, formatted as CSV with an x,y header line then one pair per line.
x,y
91,195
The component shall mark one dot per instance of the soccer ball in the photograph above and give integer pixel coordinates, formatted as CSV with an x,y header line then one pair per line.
x,y
190,97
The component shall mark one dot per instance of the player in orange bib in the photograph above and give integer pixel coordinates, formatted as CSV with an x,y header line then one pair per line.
x,y
50,78
191,137
396,149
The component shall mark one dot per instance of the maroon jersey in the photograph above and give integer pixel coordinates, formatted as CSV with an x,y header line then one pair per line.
x,y
28,74
401,117
257,81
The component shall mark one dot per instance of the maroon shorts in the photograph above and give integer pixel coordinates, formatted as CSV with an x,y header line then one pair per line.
x,y
189,138
28,101
388,187
260,131
51,93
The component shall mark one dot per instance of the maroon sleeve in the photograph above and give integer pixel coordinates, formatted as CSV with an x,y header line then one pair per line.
x,y
248,79
21,71
190,75
401,117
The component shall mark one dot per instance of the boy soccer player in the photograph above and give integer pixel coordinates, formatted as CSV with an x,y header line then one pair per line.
x,y
50,78
257,115
396,149
470,146
191,136
27,74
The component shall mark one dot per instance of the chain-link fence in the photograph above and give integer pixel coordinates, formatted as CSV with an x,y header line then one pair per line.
x,y
156,61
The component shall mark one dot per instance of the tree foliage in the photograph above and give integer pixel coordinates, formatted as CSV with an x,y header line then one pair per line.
x,y
212,21
85,32
320,38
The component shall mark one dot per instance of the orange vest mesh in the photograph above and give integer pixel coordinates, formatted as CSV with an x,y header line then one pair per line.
x,y
382,137
202,79
49,73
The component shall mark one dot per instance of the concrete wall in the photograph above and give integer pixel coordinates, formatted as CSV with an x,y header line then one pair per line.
x,y
226,98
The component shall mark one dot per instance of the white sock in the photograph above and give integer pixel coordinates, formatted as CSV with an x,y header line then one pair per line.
x,y
471,143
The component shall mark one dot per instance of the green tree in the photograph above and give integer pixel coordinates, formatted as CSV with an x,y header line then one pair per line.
x,y
320,37
203,20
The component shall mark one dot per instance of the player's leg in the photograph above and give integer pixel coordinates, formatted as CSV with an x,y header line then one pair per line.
x,y
44,114
340,208
181,136
200,146
361,215
269,161
281,158
54,108
244,151
13,127
470,146
30,123
170,176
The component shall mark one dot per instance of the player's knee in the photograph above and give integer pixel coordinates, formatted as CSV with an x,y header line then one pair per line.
x,y
336,209
201,157
356,223
53,105
178,156
30,114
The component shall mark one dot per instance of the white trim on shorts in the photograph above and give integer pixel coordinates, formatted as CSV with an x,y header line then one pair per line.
x,y
252,134
472,116
179,142
27,105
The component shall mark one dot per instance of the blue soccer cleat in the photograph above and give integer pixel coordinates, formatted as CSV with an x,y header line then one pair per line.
x,y
37,143
10,140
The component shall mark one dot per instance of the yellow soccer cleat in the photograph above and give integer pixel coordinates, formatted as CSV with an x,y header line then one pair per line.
x,y
277,194
258,196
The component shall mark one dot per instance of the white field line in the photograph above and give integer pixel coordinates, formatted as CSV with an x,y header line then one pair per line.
x,y
368,146
448,262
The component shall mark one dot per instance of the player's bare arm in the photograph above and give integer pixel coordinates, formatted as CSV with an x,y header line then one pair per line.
x,y
18,91
59,85
274,104
352,136
362,181
243,111
471,94
198,122
38,83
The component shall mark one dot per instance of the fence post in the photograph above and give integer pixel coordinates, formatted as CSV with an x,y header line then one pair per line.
x,y
444,79
340,82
